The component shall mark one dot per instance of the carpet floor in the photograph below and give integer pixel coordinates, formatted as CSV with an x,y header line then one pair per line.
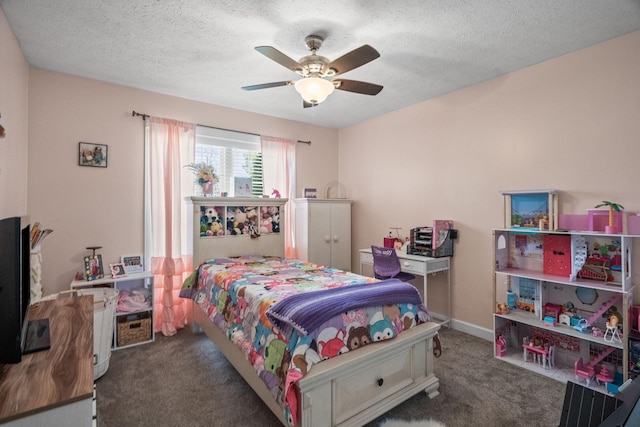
x,y
185,381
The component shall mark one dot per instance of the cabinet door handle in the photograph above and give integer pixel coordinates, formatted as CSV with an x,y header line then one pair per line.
x,y
327,239
335,239
380,382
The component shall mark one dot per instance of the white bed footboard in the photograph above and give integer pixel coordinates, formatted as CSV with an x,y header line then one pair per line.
x,y
351,389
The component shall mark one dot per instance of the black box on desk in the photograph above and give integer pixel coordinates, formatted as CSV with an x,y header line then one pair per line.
x,y
434,242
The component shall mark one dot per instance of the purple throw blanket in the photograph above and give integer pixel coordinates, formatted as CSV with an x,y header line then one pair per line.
x,y
307,311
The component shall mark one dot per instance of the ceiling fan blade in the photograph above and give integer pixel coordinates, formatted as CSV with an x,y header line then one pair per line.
x,y
353,59
282,59
268,85
358,87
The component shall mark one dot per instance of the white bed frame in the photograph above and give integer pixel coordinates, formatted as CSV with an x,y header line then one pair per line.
x,y
349,390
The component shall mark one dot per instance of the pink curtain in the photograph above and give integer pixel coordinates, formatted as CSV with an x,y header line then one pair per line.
x,y
170,147
279,170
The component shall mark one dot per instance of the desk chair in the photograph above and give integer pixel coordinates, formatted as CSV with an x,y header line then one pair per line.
x,y
386,265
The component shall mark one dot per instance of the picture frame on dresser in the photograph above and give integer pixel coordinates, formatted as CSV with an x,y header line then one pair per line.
x,y
118,270
133,263
93,269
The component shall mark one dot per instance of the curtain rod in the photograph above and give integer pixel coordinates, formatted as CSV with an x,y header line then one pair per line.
x,y
144,116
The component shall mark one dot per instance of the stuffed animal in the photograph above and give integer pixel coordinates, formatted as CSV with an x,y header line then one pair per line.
x,y
231,217
275,222
241,216
265,225
503,308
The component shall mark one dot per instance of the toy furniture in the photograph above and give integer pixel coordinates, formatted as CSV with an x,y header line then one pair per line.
x,y
564,319
386,264
613,330
604,376
582,326
552,310
551,357
587,372
501,346
557,255
538,353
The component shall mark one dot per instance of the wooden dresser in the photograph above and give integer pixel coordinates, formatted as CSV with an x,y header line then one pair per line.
x,y
53,387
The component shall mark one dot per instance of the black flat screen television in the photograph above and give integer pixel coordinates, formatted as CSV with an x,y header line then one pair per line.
x,y
15,286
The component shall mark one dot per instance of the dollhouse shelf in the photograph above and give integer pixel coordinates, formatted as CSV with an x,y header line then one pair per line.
x,y
543,268
593,284
531,320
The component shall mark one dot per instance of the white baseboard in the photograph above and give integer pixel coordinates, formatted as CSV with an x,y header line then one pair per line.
x,y
471,329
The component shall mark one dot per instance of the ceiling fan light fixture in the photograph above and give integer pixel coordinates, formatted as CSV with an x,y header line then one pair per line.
x,y
314,89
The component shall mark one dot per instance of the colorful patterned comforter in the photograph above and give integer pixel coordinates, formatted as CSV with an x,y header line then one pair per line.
x,y
238,294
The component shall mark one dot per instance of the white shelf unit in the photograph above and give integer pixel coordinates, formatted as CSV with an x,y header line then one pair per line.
x,y
139,320
522,257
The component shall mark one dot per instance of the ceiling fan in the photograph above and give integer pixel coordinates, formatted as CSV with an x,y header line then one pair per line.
x,y
317,72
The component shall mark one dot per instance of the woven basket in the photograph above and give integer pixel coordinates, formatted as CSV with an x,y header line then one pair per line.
x,y
134,328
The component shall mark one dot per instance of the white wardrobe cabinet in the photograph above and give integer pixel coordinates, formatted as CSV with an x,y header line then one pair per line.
x,y
323,231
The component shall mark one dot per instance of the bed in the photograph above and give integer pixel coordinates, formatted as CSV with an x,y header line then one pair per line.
x,y
305,368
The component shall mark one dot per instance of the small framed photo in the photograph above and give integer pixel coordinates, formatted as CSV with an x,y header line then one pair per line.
x,y
243,187
118,270
132,263
310,193
92,154
93,267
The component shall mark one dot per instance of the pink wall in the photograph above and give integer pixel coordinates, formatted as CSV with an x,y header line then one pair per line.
x,y
103,207
571,123
14,72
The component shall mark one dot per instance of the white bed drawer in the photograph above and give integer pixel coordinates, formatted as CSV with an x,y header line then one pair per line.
x,y
359,391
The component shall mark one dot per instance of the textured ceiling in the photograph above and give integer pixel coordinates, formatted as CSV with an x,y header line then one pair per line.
x,y
204,50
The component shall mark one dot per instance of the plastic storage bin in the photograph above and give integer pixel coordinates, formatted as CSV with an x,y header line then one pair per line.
x,y
104,310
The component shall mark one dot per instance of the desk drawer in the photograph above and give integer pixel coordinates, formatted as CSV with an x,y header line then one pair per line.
x,y
366,258
411,266
438,264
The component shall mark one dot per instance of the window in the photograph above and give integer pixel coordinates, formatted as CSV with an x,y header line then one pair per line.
x,y
236,158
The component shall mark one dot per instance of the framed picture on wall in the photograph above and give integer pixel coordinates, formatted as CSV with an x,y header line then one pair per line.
x,y
92,154
132,263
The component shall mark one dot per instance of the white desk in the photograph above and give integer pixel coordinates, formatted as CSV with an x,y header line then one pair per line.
x,y
420,265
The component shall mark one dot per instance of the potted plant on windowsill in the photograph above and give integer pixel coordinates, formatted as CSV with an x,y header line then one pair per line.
x,y
611,228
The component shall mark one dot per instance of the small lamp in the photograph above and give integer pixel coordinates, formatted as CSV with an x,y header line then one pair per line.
x,y
314,89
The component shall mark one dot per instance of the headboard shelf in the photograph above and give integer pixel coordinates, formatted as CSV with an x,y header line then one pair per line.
x,y
223,227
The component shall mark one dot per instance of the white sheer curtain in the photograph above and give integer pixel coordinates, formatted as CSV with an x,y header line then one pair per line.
x,y
279,172
169,146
